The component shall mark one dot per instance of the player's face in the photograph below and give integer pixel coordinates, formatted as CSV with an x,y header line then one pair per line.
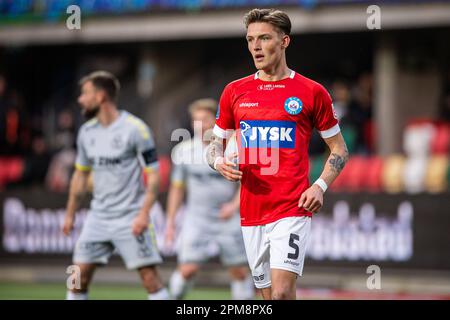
x,y
206,118
266,44
89,100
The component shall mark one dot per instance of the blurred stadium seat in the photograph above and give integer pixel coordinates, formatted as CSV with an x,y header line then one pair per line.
x,y
165,165
392,173
414,174
356,174
11,170
417,138
373,171
437,174
441,140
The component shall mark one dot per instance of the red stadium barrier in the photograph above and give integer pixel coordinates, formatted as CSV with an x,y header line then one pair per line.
x,y
374,168
11,170
356,174
441,140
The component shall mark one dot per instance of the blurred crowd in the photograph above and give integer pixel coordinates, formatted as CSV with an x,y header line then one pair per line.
x,y
352,101
43,157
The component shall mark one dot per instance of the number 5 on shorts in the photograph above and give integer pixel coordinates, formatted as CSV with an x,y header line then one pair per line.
x,y
293,237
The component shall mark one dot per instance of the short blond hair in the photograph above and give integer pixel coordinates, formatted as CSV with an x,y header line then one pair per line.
x,y
208,104
276,18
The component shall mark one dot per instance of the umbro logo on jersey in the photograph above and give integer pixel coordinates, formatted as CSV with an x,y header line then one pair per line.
x,y
267,134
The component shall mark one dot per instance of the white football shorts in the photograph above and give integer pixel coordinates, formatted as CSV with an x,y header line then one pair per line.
x,y
277,245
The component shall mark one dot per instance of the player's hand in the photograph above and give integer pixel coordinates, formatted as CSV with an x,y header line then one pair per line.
x,y
227,211
312,199
140,224
170,233
68,225
227,168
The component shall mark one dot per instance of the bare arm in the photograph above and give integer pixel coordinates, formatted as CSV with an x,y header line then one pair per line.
x,y
337,159
174,201
224,166
140,224
78,190
215,150
312,198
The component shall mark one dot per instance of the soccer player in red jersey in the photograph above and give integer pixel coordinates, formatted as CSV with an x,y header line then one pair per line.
x,y
274,112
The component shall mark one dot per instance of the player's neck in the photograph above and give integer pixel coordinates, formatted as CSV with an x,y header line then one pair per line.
x,y
108,114
275,73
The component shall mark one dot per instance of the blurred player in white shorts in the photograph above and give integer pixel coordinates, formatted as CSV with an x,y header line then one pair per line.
x,y
115,147
212,211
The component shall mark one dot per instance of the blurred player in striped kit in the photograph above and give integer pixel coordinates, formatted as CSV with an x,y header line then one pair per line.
x,y
115,146
212,214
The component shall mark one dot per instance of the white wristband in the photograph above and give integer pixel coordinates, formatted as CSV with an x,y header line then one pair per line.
x,y
322,184
215,162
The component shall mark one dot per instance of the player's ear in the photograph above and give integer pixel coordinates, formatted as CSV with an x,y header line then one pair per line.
x,y
101,94
285,41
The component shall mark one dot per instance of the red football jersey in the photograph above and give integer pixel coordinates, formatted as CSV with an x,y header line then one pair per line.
x,y
274,121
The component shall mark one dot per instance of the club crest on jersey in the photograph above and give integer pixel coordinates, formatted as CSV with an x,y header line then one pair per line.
x,y
293,105
267,134
117,142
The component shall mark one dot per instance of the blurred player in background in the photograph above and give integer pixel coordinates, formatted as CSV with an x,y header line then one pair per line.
x,y
275,111
212,214
114,145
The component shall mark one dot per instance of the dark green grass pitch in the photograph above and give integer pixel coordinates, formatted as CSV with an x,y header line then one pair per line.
x,y
57,291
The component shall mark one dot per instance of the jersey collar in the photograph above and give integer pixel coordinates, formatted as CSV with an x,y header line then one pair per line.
x,y
291,75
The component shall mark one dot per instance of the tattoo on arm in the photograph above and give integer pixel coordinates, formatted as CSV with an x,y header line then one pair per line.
x,y
215,149
337,162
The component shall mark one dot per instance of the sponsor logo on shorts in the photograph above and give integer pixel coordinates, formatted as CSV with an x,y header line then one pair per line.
x,y
143,250
89,246
291,262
